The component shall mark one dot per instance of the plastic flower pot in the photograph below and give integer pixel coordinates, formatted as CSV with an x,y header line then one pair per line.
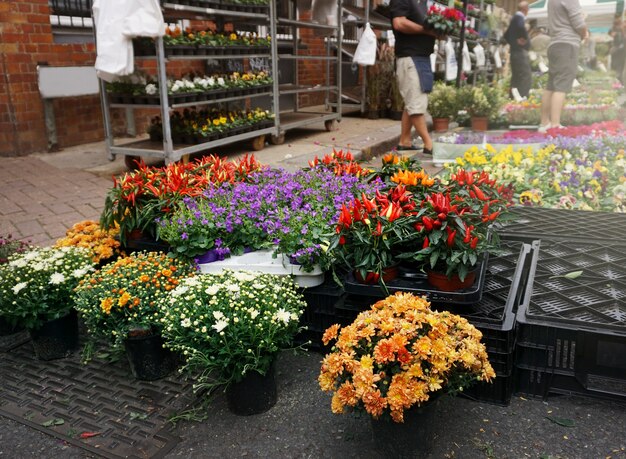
x,y
450,284
147,357
254,394
57,338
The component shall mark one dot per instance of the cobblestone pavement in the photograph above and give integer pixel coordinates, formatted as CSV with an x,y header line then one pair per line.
x,y
39,202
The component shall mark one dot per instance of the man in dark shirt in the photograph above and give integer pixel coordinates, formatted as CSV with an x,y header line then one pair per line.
x,y
517,38
414,45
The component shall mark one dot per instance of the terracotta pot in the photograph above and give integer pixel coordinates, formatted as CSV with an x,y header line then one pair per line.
x,y
479,123
441,124
371,277
450,284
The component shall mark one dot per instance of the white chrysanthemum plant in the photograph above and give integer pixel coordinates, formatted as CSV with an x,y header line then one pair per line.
x,y
36,286
228,324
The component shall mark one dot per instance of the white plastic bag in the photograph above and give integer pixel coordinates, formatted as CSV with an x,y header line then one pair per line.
x,y
466,61
451,63
365,53
479,52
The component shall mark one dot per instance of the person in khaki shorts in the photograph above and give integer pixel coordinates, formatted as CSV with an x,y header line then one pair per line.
x,y
566,25
414,45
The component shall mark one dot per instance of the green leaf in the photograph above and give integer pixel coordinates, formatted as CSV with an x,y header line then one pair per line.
x,y
53,422
561,421
573,275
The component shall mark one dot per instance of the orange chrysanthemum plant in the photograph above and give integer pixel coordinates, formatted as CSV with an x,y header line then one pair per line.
x,y
401,354
101,243
123,295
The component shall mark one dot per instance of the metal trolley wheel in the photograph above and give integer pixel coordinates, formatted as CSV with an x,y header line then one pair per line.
x,y
258,143
331,125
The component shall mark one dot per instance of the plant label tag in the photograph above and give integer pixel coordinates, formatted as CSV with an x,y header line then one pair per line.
x,y
575,84
543,68
516,95
532,55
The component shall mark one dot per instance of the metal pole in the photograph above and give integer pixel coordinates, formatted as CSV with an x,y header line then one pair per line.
x,y
459,58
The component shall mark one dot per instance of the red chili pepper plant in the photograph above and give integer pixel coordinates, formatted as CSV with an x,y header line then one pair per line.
x,y
369,231
454,224
139,197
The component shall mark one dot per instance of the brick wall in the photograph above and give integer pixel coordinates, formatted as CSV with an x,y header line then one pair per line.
x,y
312,71
26,41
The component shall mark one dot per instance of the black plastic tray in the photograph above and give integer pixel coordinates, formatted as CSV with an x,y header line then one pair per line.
x,y
565,224
415,282
572,332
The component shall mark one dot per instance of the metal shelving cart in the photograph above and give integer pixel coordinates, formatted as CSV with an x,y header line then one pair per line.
x,y
284,120
302,116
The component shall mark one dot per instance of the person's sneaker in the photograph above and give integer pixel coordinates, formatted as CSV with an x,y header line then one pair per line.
x,y
428,151
543,129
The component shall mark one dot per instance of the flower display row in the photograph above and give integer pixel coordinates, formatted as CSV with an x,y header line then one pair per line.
x,y
195,126
437,225
252,6
137,198
523,136
190,89
587,173
580,108
290,212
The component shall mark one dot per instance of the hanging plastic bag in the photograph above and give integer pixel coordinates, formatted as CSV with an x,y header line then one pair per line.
x,y
467,62
479,52
365,53
451,64
433,59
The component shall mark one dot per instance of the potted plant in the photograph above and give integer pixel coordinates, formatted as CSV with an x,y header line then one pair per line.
x,y
483,103
394,361
229,328
372,91
118,304
102,244
442,105
453,226
369,230
35,293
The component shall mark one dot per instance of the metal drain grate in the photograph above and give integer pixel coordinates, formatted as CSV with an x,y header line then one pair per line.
x,y
129,416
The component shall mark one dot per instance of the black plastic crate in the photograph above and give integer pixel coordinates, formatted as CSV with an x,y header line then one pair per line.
x,y
416,282
565,224
497,392
320,313
572,331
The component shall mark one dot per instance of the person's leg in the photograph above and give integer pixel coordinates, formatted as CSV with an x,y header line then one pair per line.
x,y
405,130
419,123
556,107
546,107
526,78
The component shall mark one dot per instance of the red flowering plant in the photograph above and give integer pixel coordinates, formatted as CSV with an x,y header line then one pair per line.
x,y
444,21
391,165
454,224
340,163
139,197
369,231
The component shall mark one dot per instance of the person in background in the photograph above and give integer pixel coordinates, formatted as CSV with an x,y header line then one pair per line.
x,y
566,24
589,52
617,48
516,36
413,47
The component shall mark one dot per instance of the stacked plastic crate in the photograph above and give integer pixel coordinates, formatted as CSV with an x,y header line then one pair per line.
x,y
572,322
